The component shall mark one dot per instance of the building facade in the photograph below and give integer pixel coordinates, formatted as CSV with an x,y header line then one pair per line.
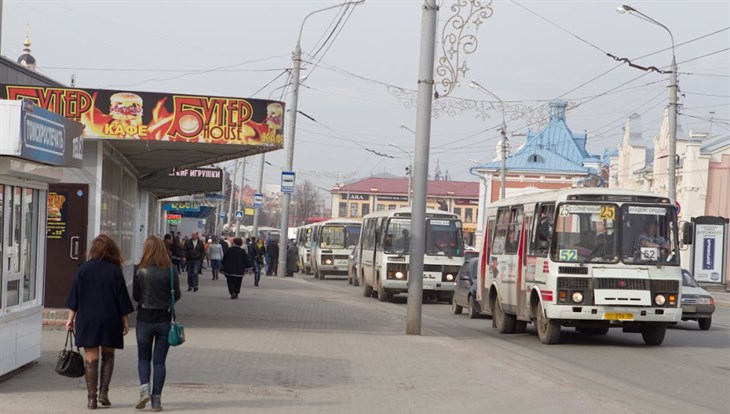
x,y
552,158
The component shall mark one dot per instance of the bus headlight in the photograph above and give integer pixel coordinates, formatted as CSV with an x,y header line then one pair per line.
x,y
577,297
660,300
328,262
449,277
399,275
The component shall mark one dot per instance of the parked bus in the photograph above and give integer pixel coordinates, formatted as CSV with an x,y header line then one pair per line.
x,y
303,241
591,259
331,243
384,253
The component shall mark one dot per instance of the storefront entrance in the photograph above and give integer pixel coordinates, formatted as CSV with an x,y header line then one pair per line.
x,y
65,239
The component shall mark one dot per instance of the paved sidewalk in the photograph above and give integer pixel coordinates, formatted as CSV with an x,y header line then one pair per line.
x,y
294,346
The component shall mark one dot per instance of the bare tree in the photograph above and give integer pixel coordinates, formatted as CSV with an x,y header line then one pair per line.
x,y
306,202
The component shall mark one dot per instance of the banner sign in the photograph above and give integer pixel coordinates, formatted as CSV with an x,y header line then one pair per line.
x,y
199,173
362,197
115,114
709,248
466,202
191,206
57,215
174,218
49,138
392,198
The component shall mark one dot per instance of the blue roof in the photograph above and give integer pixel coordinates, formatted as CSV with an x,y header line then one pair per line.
x,y
553,149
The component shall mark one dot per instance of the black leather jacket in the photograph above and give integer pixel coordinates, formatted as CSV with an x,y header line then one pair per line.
x,y
151,287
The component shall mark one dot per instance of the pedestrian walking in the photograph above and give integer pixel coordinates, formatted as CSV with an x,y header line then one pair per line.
x,y
292,258
177,252
168,244
151,290
272,250
194,252
256,252
235,263
99,306
215,253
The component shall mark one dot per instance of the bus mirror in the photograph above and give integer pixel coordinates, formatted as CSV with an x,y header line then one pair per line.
x,y
686,230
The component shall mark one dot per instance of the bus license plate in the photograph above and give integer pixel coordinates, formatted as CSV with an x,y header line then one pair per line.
x,y
618,316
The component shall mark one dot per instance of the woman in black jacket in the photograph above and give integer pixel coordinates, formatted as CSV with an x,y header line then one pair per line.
x,y
235,263
153,280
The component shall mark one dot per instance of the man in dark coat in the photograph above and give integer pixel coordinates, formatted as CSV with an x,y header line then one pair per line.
x,y
272,251
292,258
234,266
194,253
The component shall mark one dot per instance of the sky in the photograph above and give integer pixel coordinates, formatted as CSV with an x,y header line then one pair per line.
x,y
528,53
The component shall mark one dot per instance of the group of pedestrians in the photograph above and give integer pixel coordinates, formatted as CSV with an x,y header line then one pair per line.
x,y
99,303
99,307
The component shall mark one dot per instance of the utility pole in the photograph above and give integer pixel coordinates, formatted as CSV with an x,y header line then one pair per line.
x,y
672,170
240,199
429,21
233,191
256,212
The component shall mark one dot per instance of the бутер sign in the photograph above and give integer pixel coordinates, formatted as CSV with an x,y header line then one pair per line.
x,y
113,114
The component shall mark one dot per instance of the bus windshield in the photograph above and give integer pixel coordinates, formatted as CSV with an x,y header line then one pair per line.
x,y
648,235
443,237
339,237
585,233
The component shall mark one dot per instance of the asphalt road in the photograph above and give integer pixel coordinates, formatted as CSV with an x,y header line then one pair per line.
x,y
689,372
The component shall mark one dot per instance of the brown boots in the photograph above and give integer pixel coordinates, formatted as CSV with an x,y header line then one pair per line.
x,y
107,368
92,379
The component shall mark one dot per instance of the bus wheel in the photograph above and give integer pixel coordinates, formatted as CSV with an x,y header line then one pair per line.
x,y
382,294
367,291
504,323
653,334
548,331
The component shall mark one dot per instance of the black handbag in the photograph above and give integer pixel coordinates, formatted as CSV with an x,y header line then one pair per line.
x,y
70,363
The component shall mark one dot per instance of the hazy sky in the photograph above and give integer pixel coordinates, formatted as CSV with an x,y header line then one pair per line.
x,y
165,45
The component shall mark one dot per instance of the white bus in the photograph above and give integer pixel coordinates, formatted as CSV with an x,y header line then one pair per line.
x,y
331,243
384,254
591,259
304,249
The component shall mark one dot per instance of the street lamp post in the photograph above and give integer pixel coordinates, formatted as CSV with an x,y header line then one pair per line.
x,y
292,124
410,169
233,191
502,174
671,158
239,221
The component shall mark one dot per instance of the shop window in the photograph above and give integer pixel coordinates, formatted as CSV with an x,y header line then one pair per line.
x,y
30,243
365,209
381,207
468,217
353,209
342,212
391,206
2,242
457,211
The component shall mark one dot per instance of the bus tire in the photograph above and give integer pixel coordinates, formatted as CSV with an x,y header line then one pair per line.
x,y
547,330
382,294
504,323
367,291
653,334
456,308
520,326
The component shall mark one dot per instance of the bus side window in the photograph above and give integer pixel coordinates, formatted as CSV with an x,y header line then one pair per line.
x,y
543,228
513,231
500,233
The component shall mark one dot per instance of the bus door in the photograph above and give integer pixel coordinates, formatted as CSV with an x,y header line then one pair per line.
x,y
539,227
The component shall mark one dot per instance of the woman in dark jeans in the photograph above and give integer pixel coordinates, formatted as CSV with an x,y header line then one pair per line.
x,y
151,290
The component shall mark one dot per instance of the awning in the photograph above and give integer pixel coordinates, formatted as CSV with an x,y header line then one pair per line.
x,y
183,182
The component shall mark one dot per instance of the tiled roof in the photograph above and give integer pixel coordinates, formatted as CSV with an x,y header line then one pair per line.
x,y
377,185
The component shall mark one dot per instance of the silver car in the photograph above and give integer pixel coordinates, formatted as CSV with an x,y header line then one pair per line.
x,y
465,290
697,303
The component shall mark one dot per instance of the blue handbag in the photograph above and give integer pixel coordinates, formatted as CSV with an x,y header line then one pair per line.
x,y
176,335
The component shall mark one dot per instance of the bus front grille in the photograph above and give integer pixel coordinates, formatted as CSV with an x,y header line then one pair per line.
x,y
619,283
574,283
